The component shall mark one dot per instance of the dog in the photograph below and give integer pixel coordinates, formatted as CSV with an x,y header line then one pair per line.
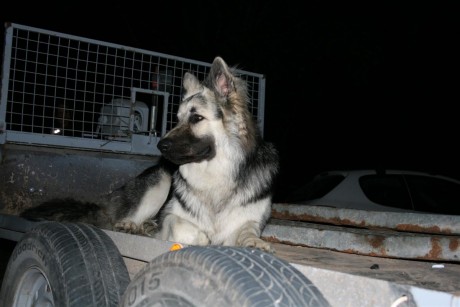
x,y
213,184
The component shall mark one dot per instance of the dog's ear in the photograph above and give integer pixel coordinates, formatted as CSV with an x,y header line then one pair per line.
x,y
221,77
190,82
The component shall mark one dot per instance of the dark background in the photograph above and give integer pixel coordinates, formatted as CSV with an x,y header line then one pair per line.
x,y
349,85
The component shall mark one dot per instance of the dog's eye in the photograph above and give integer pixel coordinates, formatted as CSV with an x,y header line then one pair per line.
x,y
195,118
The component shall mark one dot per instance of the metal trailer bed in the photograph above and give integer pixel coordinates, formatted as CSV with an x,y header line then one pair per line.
x,y
79,117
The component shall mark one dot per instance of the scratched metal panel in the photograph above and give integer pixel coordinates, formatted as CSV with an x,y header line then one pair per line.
x,y
31,175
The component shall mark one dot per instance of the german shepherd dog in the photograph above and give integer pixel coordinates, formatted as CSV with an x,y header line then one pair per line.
x,y
220,190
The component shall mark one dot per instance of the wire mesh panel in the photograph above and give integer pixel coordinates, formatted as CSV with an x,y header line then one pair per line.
x,y
64,90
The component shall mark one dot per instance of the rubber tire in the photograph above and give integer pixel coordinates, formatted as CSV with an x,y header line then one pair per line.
x,y
220,276
80,263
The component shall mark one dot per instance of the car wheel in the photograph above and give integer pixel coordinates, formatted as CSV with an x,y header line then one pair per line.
x,y
64,264
220,276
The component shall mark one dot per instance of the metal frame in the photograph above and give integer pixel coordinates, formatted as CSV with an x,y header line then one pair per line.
x,y
55,85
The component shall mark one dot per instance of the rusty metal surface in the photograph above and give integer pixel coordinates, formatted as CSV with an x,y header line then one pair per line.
x,y
380,243
407,222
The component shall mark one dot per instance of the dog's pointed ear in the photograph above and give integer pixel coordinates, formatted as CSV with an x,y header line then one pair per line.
x,y
190,82
221,77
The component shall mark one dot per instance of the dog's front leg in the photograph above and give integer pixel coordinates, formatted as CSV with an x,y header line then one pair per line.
x,y
176,229
249,236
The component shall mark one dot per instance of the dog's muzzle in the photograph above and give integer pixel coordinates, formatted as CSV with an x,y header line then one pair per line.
x,y
187,150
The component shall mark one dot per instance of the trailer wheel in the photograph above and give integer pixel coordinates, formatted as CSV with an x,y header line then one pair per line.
x,y
220,276
64,264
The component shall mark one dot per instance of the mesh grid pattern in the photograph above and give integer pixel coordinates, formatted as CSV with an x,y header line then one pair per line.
x,y
65,86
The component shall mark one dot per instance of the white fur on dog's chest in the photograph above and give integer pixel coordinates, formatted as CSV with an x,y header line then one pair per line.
x,y
208,176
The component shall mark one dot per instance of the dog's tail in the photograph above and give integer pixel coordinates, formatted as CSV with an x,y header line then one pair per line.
x,y
108,209
68,210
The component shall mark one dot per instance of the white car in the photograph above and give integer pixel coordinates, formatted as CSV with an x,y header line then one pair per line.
x,y
386,190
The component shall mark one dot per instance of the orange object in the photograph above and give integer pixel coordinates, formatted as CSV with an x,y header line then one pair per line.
x,y
175,247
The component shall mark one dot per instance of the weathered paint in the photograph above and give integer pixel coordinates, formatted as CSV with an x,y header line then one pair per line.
x,y
31,175
407,222
370,242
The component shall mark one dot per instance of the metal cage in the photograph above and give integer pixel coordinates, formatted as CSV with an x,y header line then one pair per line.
x,y
67,91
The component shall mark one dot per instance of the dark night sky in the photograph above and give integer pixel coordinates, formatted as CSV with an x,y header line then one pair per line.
x,y
348,86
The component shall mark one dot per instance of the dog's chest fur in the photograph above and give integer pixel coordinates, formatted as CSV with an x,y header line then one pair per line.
x,y
208,194
208,183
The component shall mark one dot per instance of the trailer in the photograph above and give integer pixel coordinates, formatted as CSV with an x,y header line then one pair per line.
x,y
79,117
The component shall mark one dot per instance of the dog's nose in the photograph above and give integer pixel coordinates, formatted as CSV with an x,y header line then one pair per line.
x,y
164,145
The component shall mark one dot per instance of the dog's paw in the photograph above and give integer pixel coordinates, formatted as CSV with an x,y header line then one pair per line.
x,y
149,228
126,226
129,227
258,243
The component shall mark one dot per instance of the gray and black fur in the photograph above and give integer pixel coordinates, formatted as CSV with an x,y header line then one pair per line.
x,y
110,209
219,191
